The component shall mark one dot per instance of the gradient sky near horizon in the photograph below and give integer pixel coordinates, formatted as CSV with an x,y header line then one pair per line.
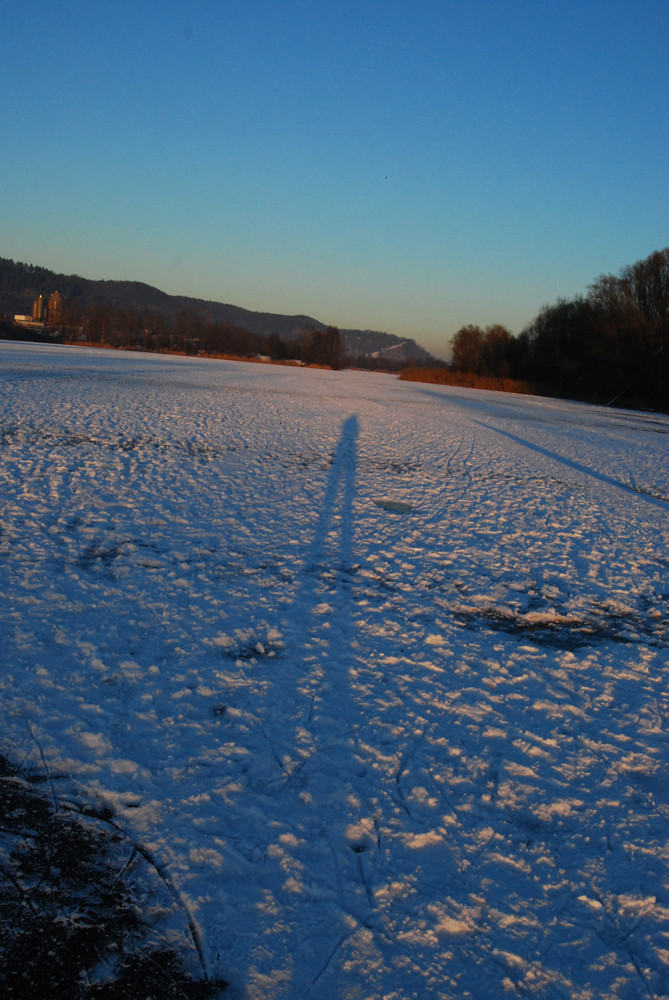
x,y
398,166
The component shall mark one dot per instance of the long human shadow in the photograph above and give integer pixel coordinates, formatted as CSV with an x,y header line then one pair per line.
x,y
318,627
326,568
320,639
310,721
341,479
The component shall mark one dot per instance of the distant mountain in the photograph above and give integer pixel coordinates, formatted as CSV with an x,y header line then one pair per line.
x,y
374,344
21,284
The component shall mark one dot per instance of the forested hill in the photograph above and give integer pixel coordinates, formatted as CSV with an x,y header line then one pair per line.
x,y
610,346
21,284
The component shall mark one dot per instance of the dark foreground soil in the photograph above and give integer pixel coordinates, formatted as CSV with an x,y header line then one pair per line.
x,y
84,912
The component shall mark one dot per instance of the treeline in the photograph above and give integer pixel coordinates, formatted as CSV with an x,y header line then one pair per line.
x,y
611,346
110,325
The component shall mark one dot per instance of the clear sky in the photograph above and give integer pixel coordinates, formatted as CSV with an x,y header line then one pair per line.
x,y
405,165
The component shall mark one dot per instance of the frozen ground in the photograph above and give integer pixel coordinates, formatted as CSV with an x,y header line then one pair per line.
x,y
377,670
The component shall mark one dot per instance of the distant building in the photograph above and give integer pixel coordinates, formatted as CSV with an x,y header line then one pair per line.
x,y
43,313
39,308
28,322
56,303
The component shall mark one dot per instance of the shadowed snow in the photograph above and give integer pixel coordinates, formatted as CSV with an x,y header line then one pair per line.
x,y
380,756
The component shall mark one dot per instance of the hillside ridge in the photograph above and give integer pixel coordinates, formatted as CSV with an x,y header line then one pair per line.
x,y
21,284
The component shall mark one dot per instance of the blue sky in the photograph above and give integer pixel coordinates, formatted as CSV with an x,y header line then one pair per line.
x,y
399,166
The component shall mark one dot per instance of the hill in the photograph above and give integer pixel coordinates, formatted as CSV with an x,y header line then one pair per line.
x,y
21,284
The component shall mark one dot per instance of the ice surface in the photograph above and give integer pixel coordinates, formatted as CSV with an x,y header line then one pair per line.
x,y
377,670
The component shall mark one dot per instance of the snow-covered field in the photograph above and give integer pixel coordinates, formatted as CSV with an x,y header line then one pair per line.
x,y
378,670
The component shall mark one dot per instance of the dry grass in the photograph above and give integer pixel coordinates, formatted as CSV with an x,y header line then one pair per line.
x,y
466,380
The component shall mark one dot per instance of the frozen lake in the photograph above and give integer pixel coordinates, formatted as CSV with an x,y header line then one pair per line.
x,y
378,670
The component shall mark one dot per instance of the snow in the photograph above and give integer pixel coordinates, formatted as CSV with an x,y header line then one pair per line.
x,y
377,670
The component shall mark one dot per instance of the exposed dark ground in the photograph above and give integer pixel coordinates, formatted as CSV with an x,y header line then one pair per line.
x,y
83,911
